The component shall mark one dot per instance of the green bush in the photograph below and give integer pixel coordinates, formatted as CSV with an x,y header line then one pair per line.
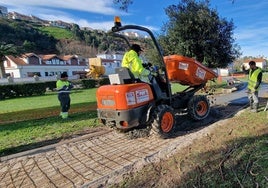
x,y
23,89
39,88
104,81
4,91
51,85
89,83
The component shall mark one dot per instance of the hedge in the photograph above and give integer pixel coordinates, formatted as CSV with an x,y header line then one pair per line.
x,y
26,89
39,88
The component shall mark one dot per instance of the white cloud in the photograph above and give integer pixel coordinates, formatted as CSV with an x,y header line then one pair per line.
x,y
96,25
58,10
94,6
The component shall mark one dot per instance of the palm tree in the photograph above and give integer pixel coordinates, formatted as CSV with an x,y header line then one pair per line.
x,y
6,49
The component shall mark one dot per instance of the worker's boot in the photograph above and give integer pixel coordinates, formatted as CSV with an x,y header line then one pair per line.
x,y
255,107
64,115
250,104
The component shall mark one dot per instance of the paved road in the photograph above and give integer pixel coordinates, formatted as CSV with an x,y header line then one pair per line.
x,y
95,159
239,97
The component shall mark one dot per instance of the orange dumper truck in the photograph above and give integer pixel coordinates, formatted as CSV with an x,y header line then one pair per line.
x,y
129,103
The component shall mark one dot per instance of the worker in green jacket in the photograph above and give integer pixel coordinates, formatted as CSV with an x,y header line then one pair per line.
x,y
254,81
132,61
64,87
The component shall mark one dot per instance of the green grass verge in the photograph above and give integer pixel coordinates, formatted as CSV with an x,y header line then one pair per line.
x,y
49,100
56,32
17,137
30,121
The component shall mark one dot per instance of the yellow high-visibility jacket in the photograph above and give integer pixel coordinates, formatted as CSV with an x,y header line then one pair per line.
x,y
63,86
132,61
253,78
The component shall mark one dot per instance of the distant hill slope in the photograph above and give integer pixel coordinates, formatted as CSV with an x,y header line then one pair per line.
x,y
32,37
36,38
23,34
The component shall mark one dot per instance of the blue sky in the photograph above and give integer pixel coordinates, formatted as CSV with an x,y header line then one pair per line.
x,y
249,16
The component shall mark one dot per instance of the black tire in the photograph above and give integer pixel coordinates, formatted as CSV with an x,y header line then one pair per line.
x,y
198,107
164,121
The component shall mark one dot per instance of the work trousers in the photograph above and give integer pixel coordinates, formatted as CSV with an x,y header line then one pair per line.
x,y
253,97
65,101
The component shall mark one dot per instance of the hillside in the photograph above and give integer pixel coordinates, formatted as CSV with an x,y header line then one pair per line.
x,y
26,37
36,38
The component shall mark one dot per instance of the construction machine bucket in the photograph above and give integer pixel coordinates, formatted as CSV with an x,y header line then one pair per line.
x,y
187,71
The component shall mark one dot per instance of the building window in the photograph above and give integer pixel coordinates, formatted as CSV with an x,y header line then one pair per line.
x,y
31,74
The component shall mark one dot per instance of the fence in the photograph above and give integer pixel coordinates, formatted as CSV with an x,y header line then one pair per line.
x,y
10,80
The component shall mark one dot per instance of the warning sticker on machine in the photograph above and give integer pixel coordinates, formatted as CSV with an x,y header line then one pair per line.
x,y
130,96
183,66
200,73
142,95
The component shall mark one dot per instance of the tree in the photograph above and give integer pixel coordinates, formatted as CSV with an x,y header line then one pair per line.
x,y
196,31
123,4
28,46
6,49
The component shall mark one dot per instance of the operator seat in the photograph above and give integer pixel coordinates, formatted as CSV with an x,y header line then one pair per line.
x,y
126,75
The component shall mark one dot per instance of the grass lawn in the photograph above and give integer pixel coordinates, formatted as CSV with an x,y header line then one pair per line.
x,y
32,120
48,100
25,108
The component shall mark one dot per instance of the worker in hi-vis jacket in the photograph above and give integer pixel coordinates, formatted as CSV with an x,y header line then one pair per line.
x,y
64,87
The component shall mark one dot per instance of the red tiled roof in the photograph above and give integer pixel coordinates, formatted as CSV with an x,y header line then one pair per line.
x,y
255,59
20,60
48,57
28,55
16,60
67,57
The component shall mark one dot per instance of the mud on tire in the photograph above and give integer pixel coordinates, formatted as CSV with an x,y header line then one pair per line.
x,y
198,107
164,121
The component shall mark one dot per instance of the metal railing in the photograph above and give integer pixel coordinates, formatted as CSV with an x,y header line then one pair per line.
x,y
11,80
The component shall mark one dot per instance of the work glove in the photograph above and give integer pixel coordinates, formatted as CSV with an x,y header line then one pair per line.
x,y
70,85
64,88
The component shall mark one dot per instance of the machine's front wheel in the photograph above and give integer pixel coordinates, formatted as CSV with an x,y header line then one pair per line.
x,y
164,121
198,107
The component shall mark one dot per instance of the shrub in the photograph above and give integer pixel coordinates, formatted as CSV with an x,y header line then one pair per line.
x,y
51,85
104,81
89,83
22,89
39,88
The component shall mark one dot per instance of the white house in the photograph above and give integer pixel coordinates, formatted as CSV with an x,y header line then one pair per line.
x,y
28,65
110,61
260,62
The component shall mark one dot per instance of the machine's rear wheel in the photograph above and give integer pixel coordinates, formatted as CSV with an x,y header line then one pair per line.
x,y
164,121
198,107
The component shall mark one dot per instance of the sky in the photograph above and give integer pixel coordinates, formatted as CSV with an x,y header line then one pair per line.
x,y
249,16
